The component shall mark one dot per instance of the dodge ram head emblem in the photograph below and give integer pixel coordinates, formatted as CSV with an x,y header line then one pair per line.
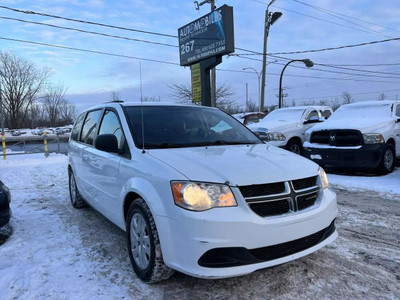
x,y
332,138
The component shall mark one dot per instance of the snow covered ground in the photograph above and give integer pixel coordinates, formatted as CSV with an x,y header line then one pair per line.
x,y
57,252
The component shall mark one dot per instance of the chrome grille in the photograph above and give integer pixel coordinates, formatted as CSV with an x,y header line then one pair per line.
x,y
280,198
337,137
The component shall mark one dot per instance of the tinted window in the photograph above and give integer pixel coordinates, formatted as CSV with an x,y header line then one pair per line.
x,y
77,127
398,110
183,126
326,113
89,127
110,125
312,114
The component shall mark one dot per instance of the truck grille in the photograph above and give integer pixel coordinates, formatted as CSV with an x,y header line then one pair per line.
x,y
337,137
279,198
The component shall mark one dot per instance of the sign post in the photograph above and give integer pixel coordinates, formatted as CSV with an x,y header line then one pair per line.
x,y
203,42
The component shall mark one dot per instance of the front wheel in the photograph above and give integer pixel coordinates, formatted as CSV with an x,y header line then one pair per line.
x,y
144,244
294,146
388,160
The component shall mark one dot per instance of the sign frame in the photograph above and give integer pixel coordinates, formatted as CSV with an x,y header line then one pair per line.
x,y
208,36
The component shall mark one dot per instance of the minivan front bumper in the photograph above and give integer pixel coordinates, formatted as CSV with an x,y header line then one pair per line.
x,y
227,242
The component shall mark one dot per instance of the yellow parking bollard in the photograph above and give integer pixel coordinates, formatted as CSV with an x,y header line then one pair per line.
x,y
3,139
46,153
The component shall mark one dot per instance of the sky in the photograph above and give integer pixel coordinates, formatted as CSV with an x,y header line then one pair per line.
x,y
363,71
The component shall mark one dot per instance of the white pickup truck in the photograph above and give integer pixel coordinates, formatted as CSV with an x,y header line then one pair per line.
x,y
286,127
364,135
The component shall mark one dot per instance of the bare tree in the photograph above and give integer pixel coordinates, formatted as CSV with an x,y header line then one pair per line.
x,y
183,94
347,98
52,100
382,96
252,106
21,84
151,99
115,96
335,104
67,112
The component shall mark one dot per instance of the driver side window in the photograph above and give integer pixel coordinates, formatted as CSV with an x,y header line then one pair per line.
x,y
312,115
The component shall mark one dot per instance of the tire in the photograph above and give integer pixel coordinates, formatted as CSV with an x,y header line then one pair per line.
x,y
144,244
388,161
294,146
74,195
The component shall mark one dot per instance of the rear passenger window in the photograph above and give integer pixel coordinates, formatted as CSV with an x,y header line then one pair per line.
x,y
110,125
326,113
77,128
89,127
398,110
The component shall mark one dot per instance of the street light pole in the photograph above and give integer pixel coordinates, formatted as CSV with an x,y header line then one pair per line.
x,y
258,81
308,64
270,19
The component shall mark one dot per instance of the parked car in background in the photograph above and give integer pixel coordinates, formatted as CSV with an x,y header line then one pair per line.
x,y
5,210
196,191
248,118
46,130
16,133
35,131
286,127
364,135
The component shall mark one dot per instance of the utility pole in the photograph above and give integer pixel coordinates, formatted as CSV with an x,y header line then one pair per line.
x,y
213,74
1,111
270,18
213,77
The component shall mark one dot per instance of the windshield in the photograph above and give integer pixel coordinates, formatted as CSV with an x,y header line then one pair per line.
x,y
185,126
376,111
284,115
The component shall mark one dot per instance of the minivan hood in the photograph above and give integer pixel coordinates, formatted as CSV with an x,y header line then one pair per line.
x,y
273,126
237,164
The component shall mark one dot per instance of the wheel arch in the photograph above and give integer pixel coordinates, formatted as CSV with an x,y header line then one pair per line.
x,y
391,141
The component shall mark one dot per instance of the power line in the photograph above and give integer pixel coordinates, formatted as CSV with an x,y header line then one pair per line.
x,y
30,12
314,77
353,94
334,14
89,51
319,19
89,32
326,49
341,14
342,67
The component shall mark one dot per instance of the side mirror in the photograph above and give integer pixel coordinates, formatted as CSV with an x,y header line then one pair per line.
x,y
107,143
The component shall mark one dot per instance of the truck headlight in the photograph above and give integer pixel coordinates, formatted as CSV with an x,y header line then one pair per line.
x,y
200,196
308,136
276,136
373,138
323,179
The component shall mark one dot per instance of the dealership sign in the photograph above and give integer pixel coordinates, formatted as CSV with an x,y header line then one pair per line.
x,y
208,36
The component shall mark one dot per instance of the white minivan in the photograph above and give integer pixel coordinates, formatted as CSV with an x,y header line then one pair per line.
x,y
196,191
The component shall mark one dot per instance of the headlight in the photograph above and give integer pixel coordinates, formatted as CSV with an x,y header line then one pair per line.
x,y
373,138
308,136
276,136
323,178
202,196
